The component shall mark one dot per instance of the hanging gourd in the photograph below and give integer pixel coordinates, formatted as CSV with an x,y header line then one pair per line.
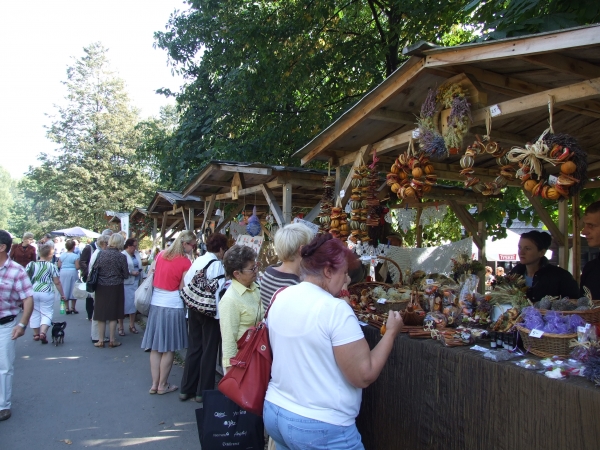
x,y
253,228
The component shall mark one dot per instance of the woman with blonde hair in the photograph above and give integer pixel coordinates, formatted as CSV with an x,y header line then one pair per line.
x,y
166,329
288,242
110,295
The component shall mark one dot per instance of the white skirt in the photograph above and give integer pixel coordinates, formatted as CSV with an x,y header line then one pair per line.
x,y
43,309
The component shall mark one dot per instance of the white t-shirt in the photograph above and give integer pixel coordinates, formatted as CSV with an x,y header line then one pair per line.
x,y
213,271
305,323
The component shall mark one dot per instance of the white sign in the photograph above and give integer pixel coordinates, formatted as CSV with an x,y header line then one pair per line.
x,y
495,110
429,281
552,180
382,301
416,133
536,333
254,242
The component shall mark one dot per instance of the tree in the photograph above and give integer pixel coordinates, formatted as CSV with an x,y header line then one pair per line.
x,y
95,168
6,199
266,76
508,18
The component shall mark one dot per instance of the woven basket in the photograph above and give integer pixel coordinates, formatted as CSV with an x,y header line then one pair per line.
x,y
548,345
380,308
400,278
590,315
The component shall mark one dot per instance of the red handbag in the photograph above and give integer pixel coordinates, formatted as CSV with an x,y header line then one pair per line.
x,y
247,380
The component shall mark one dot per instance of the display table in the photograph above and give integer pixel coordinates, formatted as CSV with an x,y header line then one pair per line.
x,y
433,397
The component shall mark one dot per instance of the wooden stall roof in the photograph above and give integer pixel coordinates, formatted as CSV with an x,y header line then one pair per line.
x,y
138,212
516,74
171,206
257,184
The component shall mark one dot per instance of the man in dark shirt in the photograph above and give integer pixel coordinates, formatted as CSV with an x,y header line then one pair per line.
x,y
590,276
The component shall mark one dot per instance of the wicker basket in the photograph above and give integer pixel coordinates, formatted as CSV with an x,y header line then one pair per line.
x,y
548,345
380,308
590,315
400,278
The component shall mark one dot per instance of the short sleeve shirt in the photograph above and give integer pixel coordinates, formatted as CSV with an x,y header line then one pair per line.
x,y
168,273
42,274
14,288
68,261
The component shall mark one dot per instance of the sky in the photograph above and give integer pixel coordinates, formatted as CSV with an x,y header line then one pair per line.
x,y
38,41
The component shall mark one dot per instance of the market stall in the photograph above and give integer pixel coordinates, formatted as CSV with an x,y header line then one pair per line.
x,y
520,113
433,397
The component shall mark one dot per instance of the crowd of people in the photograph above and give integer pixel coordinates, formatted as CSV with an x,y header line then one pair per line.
x,y
303,299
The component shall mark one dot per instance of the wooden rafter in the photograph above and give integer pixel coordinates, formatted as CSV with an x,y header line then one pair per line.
x,y
467,221
238,209
273,205
565,64
241,169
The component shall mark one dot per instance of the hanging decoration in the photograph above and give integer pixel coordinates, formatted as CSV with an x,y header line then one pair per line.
x,y
433,214
338,222
411,175
253,228
406,218
324,217
450,96
492,148
431,141
560,150
359,205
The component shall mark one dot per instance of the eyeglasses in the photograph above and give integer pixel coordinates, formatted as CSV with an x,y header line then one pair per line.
x,y
253,270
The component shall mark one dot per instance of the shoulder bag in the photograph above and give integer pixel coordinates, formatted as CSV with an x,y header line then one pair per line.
x,y
247,380
92,279
143,294
200,293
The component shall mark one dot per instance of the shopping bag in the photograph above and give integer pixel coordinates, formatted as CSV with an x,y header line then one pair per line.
x,y
143,294
223,424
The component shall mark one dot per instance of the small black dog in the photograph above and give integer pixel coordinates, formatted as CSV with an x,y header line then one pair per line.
x,y
58,333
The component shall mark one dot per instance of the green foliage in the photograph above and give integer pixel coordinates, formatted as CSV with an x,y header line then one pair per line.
x,y
435,234
508,18
6,200
264,77
26,214
95,167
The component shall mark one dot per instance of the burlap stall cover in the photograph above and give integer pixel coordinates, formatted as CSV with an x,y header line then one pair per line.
x,y
432,397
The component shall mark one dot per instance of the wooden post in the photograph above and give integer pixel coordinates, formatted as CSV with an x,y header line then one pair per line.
x,y
563,226
419,230
287,203
163,230
154,230
483,235
575,213
190,224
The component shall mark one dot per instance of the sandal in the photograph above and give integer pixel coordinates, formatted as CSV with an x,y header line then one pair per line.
x,y
114,344
170,388
99,344
121,332
43,338
74,311
68,311
36,337
152,391
133,330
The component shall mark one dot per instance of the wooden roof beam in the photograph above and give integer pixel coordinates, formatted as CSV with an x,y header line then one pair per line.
x,y
386,115
467,221
246,169
273,205
565,64
510,48
247,191
234,212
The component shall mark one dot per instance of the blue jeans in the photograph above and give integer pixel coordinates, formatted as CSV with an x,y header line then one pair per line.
x,y
293,432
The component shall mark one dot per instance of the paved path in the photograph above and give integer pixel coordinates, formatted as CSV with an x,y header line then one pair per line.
x,y
96,398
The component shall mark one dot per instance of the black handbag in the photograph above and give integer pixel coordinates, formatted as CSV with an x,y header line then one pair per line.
x,y
222,423
92,280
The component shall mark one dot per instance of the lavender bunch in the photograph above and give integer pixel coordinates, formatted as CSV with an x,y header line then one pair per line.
x,y
459,112
429,105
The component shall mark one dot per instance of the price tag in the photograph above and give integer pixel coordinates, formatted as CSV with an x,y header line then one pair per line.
x,y
495,110
342,193
416,133
552,180
536,333
382,301
429,281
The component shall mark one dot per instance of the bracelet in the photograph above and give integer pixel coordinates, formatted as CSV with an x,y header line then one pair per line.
x,y
344,293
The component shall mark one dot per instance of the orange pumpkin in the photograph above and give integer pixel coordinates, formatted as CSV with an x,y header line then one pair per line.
x,y
417,172
529,185
429,169
395,187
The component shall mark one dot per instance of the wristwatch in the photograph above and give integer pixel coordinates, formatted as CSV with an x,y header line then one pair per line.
x,y
24,326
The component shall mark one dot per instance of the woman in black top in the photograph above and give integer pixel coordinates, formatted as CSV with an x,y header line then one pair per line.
x,y
542,277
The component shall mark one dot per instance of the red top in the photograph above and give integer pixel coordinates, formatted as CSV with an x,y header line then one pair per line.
x,y
168,274
22,255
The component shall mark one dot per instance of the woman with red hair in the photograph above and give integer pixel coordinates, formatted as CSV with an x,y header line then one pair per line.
x,y
321,360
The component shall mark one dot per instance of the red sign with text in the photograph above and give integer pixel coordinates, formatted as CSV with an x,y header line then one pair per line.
x,y
507,257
